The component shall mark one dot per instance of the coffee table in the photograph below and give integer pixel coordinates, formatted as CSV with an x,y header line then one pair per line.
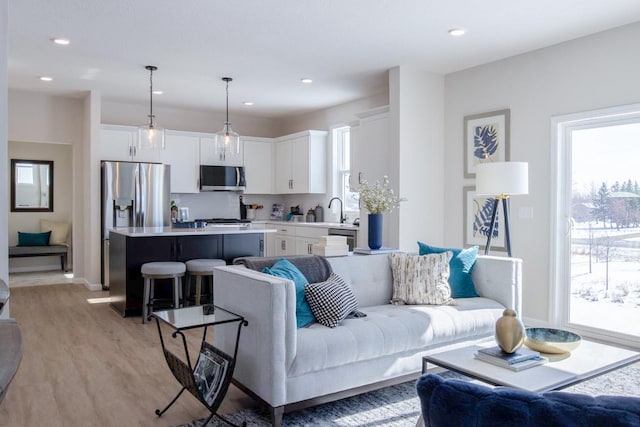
x,y
587,361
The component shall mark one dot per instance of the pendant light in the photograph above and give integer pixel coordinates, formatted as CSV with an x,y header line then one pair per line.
x,y
227,141
151,136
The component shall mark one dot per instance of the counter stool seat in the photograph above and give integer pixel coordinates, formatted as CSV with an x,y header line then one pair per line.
x,y
199,268
161,270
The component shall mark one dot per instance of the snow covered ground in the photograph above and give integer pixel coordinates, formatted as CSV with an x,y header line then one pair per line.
x,y
605,294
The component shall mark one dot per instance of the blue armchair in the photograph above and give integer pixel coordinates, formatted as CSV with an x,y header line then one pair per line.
x,y
451,403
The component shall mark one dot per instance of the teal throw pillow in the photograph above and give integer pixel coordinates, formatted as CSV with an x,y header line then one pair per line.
x,y
283,268
461,265
33,239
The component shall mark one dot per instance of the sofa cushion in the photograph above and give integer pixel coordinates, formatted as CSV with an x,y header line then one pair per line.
x,y
314,268
59,231
287,270
393,329
420,279
459,403
461,266
331,301
33,239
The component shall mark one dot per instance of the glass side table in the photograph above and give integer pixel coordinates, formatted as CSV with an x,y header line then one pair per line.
x,y
208,380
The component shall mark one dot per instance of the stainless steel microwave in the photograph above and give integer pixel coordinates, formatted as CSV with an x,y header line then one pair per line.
x,y
222,178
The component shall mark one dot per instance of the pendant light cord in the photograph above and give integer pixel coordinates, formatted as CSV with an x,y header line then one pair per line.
x,y
151,98
227,121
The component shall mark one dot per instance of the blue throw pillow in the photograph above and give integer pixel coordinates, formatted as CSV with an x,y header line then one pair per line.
x,y
461,265
285,269
33,239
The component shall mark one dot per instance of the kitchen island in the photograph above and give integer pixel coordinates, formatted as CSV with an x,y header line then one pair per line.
x,y
130,247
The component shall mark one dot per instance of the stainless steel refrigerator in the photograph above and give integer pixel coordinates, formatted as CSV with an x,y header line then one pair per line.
x,y
133,195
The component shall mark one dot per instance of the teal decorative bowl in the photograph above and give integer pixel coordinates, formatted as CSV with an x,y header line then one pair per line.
x,y
548,340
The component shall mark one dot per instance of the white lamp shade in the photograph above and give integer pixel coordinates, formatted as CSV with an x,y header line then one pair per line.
x,y
498,178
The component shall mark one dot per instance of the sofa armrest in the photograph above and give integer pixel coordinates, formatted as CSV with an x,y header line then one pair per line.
x,y
500,279
268,344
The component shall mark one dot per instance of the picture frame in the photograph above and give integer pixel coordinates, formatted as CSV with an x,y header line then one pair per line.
x,y
486,139
477,220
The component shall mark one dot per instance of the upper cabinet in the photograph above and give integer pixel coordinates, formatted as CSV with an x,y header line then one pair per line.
x,y
258,165
370,146
182,152
301,165
208,155
120,143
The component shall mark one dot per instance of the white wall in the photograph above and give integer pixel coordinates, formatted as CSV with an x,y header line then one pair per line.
x,y
39,117
117,113
588,73
340,114
4,121
416,123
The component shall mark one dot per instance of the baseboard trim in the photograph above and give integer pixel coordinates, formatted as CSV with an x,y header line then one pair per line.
x,y
87,284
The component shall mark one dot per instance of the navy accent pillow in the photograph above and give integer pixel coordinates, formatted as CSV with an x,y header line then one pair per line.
x,y
285,269
461,265
34,239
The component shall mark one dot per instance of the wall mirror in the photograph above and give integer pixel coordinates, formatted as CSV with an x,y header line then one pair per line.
x,y
31,185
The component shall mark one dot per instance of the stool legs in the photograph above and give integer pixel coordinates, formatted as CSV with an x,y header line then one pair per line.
x,y
146,298
198,288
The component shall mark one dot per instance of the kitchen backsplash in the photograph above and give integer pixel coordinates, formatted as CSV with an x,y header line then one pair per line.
x,y
226,204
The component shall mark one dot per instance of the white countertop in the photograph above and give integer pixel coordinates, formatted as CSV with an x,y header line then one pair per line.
x,y
209,229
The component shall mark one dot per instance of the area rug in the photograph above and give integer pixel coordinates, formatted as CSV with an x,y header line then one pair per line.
x,y
398,406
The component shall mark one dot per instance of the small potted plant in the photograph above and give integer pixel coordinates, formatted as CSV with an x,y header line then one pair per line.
x,y
377,199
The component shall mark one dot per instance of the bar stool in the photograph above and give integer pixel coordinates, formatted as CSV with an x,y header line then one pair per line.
x,y
160,270
199,268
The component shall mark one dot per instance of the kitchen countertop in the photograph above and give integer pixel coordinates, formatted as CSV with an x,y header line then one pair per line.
x,y
169,231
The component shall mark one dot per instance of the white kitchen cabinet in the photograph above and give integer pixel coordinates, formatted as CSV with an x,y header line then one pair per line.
x,y
283,242
306,236
301,165
370,146
119,143
182,153
258,165
208,155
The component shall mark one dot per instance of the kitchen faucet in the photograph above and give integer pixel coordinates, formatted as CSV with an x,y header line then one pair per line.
x,y
342,218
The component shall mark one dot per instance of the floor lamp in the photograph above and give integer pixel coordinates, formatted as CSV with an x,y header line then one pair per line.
x,y
501,180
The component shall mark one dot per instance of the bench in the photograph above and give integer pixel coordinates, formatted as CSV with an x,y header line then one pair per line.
x,y
51,250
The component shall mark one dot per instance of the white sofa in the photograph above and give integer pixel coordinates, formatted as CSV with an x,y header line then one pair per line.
x,y
289,368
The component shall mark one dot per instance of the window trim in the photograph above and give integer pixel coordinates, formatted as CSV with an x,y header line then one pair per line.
x,y
560,256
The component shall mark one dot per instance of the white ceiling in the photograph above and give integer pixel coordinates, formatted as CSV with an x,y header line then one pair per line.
x,y
267,46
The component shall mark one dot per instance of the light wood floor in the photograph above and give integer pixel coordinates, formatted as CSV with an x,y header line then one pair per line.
x,y
84,365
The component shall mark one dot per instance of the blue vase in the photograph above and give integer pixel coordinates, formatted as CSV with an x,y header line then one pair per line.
x,y
375,231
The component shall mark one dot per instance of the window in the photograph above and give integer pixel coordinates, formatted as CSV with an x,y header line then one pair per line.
x,y
342,161
597,223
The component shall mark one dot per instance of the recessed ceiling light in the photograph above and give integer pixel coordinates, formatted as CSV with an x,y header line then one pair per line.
x,y
157,92
247,103
306,80
456,32
61,42
46,78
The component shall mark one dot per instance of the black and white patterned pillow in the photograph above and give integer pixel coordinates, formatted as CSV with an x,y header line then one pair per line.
x,y
330,301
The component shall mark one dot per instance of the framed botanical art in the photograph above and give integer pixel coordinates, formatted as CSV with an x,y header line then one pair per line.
x,y
477,220
486,139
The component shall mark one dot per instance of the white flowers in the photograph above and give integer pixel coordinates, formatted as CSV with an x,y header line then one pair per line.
x,y
378,198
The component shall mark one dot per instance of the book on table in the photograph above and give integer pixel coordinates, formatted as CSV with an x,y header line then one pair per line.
x,y
505,358
518,366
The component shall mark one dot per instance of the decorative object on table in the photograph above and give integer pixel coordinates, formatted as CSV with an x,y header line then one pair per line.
x,y
377,199
517,361
150,135
549,340
486,139
501,180
319,213
509,331
227,141
311,216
